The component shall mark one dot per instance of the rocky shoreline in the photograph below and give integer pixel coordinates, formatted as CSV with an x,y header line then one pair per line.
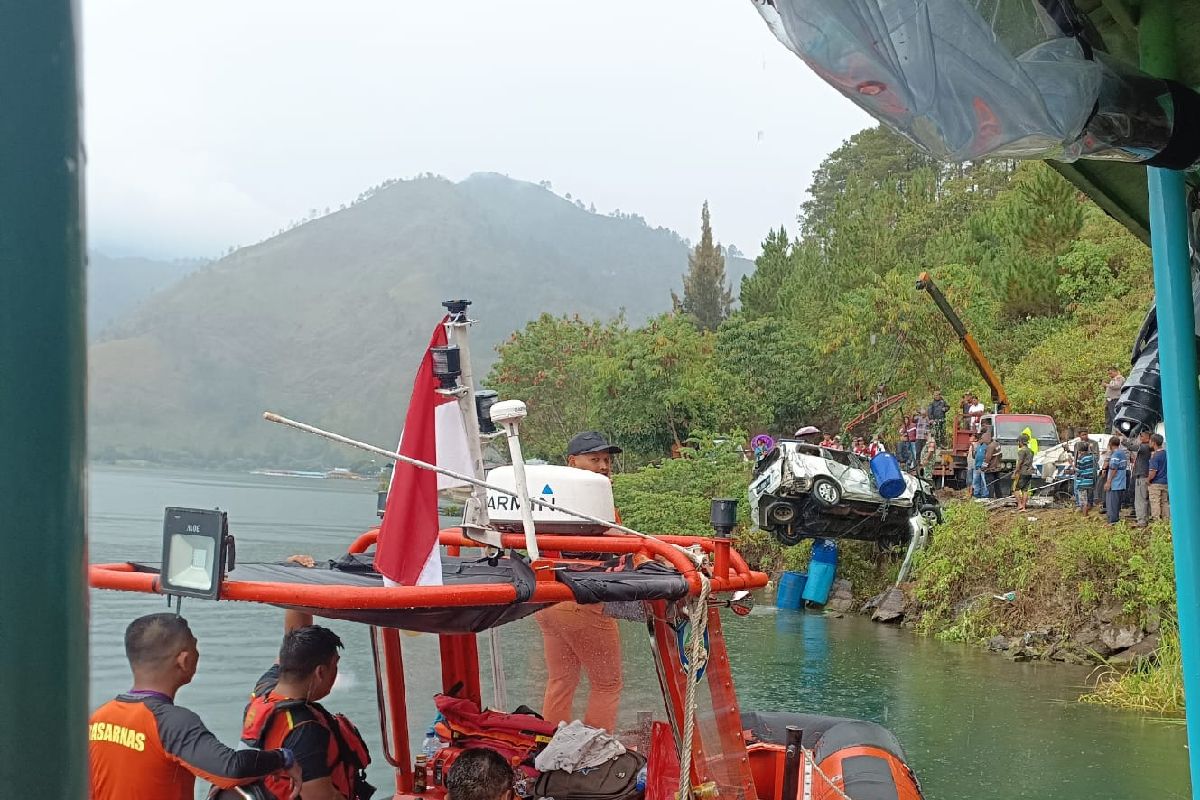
x,y
1109,635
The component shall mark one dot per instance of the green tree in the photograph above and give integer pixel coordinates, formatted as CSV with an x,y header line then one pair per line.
x,y
552,365
707,297
759,293
768,363
660,384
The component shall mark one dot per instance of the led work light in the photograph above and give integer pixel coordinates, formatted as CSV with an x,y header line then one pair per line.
x,y
197,550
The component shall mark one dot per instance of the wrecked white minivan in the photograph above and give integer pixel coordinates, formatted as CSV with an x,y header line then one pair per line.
x,y
804,491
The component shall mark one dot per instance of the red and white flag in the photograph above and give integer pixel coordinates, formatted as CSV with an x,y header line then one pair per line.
x,y
407,551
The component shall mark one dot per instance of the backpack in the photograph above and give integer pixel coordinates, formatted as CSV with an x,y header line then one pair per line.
x,y
615,779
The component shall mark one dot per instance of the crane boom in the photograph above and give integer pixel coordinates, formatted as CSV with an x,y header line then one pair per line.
x,y
999,396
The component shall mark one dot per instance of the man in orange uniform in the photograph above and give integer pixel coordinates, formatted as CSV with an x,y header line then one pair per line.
x,y
144,747
580,636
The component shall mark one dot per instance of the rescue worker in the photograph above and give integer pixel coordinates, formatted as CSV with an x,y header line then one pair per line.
x,y
480,774
144,747
284,710
579,637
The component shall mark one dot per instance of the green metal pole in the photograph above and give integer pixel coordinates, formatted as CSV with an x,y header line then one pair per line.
x,y
43,447
1177,355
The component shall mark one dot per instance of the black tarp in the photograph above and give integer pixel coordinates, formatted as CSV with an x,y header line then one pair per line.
x,y
589,584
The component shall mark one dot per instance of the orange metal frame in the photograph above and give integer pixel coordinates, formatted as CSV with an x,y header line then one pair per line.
x,y
460,654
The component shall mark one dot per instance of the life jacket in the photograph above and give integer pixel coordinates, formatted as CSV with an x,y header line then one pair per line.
x,y
268,721
516,736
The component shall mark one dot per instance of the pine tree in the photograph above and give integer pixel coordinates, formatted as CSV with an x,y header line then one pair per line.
x,y
707,298
759,293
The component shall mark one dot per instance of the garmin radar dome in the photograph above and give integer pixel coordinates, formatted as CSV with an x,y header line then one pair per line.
x,y
550,486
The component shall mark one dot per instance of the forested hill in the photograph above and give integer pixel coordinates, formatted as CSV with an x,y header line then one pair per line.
x,y
327,321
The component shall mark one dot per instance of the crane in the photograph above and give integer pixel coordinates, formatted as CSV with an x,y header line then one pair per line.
x,y
999,396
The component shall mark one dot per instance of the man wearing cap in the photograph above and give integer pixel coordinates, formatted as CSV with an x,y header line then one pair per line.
x,y
579,637
591,451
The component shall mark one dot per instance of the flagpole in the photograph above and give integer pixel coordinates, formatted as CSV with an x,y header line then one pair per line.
x,y
475,516
458,329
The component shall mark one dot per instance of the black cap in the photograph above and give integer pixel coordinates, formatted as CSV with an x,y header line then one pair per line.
x,y
590,442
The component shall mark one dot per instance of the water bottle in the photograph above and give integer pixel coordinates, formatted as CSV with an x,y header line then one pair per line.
x,y
431,745
640,781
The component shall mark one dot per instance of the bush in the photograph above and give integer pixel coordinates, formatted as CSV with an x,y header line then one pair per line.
x,y
674,496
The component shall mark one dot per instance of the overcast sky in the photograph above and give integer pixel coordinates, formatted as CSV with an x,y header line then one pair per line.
x,y
214,123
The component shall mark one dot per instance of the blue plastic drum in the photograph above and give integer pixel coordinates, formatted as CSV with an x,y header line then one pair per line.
x,y
889,480
791,586
821,572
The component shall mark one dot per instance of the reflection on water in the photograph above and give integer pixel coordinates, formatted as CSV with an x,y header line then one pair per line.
x,y
975,726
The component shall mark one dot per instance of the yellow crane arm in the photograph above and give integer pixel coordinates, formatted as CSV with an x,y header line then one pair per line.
x,y
974,351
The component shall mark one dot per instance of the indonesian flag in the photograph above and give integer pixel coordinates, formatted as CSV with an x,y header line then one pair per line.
x,y
407,551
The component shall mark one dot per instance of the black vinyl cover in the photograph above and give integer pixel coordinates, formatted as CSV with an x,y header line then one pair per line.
x,y
620,580
589,584
824,735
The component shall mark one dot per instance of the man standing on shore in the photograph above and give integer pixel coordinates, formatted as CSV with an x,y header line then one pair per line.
x,y
1141,479
1159,505
1117,480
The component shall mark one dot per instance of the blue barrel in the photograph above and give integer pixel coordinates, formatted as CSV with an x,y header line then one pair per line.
x,y
821,571
791,586
888,478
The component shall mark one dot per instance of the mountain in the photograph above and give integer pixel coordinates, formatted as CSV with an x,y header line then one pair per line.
x,y
326,322
116,286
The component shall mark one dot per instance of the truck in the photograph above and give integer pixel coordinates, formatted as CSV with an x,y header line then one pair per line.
x,y
951,463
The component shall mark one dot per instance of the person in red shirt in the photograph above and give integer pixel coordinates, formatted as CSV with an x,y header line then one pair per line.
x,y
141,746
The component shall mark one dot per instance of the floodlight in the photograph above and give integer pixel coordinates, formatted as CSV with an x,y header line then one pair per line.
x,y
197,548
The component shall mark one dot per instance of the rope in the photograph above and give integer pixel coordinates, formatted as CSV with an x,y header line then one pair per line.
x,y
812,763
697,657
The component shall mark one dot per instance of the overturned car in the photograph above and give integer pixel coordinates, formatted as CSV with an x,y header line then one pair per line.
x,y
803,491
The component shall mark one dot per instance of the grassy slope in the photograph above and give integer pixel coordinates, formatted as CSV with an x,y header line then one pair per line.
x,y
1068,572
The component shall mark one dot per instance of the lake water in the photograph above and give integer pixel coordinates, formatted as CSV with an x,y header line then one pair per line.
x,y
975,726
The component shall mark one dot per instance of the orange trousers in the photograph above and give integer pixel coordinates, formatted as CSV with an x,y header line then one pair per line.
x,y
580,637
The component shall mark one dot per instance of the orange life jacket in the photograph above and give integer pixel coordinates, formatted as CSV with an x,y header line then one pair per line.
x,y
268,721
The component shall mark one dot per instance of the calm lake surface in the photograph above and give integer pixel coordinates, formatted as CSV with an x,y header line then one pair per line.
x,y
975,726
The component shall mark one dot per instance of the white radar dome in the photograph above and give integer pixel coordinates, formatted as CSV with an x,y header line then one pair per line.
x,y
576,489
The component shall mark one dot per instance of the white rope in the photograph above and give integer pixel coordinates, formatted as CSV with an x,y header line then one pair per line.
x,y
813,763
697,657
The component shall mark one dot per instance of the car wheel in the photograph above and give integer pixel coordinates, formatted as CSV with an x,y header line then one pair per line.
x,y
931,512
826,492
781,513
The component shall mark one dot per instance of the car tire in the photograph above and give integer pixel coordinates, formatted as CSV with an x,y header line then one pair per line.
x,y
781,513
825,492
932,512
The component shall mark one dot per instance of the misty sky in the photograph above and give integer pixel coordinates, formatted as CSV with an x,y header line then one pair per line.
x,y
213,124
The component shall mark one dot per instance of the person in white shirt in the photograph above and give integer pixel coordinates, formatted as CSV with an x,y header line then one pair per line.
x,y
976,410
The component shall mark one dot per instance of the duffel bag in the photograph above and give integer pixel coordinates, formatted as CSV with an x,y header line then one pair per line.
x,y
615,779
